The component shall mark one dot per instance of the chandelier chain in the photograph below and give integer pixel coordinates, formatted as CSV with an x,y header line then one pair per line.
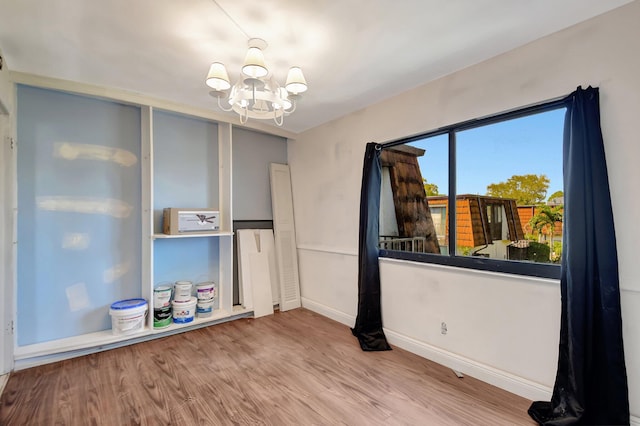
x,y
231,19
256,94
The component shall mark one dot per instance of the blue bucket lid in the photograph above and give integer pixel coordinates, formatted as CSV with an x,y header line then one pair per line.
x,y
128,304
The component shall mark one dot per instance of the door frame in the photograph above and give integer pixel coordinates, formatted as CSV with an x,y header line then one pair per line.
x,y
7,220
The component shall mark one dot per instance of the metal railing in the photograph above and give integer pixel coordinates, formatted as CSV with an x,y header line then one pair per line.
x,y
412,244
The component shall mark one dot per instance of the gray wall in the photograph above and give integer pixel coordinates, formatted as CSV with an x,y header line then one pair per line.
x,y
252,153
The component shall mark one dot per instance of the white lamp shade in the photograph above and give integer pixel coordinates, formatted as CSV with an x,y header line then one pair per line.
x,y
254,64
218,79
296,82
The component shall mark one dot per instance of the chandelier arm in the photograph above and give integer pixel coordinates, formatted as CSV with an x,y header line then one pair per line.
x,y
275,118
223,108
245,115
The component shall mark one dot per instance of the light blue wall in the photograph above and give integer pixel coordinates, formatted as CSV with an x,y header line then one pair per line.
x,y
252,153
185,175
65,289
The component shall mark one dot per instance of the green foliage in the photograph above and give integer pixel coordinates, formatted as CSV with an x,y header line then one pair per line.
x,y
525,189
556,254
463,251
547,216
430,188
557,194
538,252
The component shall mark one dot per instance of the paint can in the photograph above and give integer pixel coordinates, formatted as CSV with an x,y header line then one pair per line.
x,y
184,312
206,290
128,316
204,308
182,291
162,296
162,317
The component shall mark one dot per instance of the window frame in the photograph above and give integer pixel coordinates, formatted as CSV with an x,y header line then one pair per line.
x,y
540,270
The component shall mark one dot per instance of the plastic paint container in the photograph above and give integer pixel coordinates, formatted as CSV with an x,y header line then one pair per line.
x,y
182,291
206,290
162,317
184,312
204,308
162,297
128,316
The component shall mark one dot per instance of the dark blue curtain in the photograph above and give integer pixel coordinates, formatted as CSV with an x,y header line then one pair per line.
x,y
591,380
368,327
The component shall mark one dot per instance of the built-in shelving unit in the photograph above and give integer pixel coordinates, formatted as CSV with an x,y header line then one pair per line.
x,y
207,194
218,245
154,194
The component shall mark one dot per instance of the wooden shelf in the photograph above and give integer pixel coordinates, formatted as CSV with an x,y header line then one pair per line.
x,y
193,235
83,341
217,315
91,341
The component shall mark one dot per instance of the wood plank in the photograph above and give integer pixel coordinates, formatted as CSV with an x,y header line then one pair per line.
x,y
293,367
261,285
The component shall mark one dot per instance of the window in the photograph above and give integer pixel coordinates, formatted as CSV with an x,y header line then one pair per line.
x,y
494,218
497,180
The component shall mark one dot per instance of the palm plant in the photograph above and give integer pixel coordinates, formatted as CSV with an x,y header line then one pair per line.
x,y
546,216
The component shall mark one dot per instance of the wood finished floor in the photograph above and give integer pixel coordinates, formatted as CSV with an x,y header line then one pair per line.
x,y
292,368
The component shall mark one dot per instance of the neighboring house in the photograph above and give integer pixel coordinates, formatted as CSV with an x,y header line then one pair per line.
x,y
486,226
526,213
405,221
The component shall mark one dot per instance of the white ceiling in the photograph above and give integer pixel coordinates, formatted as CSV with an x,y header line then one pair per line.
x,y
353,52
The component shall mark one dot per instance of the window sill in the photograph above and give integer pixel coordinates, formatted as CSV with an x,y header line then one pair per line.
x,y
540,270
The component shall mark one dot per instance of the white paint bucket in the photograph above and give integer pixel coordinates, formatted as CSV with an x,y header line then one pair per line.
x,y
206,290
184,312
128,316
182,291
204,308
162,296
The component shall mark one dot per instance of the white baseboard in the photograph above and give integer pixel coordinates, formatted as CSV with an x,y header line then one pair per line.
x,y
502,379
325,311
635,421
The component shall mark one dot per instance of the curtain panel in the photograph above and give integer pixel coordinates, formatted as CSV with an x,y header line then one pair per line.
x,y
368,326
591,380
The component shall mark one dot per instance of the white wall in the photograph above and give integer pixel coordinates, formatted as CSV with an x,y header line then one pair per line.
x,y
502,329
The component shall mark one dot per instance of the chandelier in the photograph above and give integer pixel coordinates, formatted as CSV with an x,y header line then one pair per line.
x,y
256,94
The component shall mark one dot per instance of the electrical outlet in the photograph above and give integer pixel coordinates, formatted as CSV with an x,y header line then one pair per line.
x,y
443,328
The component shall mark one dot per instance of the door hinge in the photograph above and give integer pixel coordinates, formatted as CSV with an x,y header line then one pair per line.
x,y
12,143
10,327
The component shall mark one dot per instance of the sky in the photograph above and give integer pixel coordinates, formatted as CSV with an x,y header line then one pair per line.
x,y
494,153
